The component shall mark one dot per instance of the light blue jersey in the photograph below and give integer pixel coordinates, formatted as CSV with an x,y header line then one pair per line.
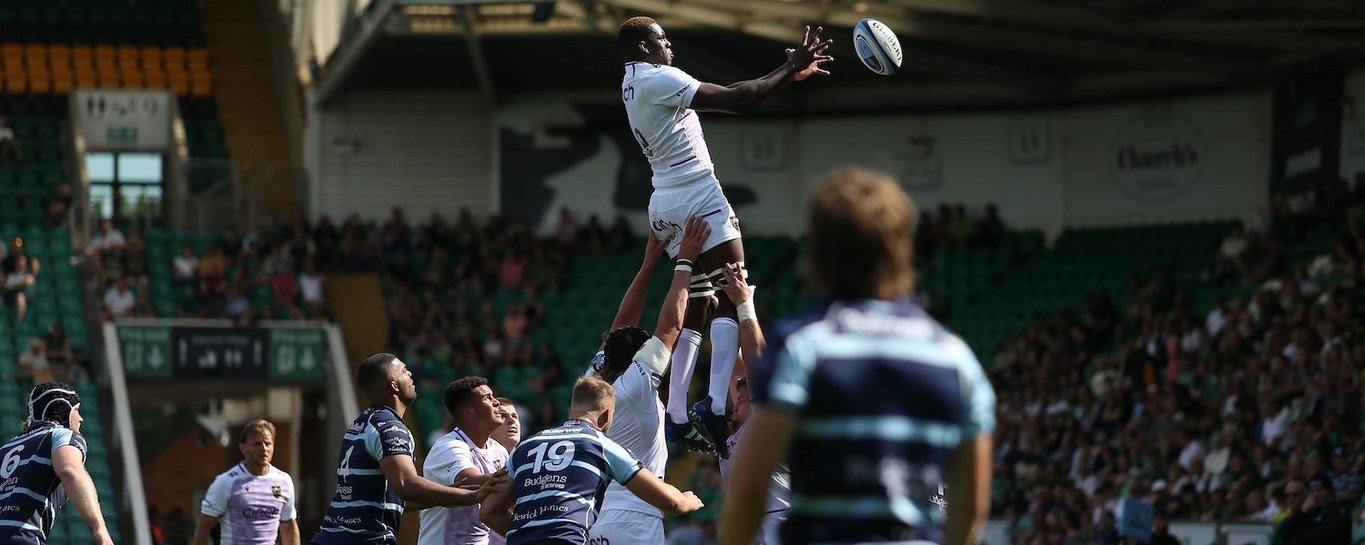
x,y
883,395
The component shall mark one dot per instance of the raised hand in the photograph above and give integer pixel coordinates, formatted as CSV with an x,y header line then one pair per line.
x,y
736,286
809,58
693,238
653,249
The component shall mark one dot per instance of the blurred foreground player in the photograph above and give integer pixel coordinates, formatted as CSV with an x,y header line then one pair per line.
x,y
254,501
376,474
871,402
44,466
661,103
559,476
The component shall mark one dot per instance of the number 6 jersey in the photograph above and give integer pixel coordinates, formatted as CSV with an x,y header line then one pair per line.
x,y
30,492
559,476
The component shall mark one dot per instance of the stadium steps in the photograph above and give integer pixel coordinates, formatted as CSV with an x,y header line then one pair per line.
x,y
246,95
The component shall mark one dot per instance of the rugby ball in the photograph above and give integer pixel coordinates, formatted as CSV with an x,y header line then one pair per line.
x,y
877,46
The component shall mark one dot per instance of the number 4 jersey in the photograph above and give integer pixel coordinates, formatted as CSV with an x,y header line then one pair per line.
x,y
364,509
560,476
30,492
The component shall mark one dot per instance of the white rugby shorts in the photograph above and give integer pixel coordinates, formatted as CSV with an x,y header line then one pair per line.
x,y
671,207
621,527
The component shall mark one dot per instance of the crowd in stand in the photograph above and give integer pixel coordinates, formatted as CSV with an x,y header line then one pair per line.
x,y
1248,413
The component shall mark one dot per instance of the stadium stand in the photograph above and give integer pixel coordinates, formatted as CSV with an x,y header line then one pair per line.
x,y
48,49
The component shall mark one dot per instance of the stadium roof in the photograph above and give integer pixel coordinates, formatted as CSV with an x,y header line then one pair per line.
x,y
958,53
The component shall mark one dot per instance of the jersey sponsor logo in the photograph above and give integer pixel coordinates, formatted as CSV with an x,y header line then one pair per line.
x,y
551,510
341,521
260,512
598,541
356,427
546,481
344,492
9,508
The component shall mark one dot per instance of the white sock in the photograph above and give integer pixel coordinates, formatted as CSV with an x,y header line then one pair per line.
x,y
724,350
684,363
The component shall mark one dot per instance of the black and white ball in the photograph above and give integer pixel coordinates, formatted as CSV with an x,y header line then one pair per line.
x,y
877,46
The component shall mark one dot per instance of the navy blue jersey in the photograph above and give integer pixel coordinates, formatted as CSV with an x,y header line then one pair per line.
x,y
559,477
364,509
883,395
30,492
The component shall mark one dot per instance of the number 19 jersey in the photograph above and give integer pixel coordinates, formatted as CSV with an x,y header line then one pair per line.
x,y
658,99
559,476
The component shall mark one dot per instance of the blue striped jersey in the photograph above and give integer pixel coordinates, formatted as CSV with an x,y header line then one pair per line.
x,y
882,394
30,492
559,477
364,509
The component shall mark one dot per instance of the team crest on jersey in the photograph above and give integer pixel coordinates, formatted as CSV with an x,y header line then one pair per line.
x,y
734,222
275,491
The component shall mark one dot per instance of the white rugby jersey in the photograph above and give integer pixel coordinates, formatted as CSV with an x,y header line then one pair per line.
x,y
658,100
639,421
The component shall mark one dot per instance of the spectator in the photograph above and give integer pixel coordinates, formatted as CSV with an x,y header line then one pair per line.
x,y
58,205
33,364
311,283
58,344
9,146
1320,521
17,285
566,231
109,239
119,301
185,269
620,236
1346,481
212,274
1161,534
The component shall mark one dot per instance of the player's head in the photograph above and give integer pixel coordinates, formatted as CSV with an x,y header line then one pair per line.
x,y
861,226
256,441
739,394
55,402
619,349
642,39
470,401
509,433
383,376
594,399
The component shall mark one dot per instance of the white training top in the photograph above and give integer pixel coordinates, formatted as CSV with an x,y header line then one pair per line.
x,y
639,422
657,99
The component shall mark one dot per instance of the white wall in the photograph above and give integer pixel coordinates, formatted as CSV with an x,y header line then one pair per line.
x,y
1205,157
421,151
1216,152
1353,126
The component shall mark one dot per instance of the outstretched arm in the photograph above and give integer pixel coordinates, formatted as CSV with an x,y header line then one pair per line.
x,y
802,62
402,475
751,341
633,303
660,494
675,302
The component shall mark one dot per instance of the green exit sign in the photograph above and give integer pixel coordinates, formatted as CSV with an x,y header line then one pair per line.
x,y
121,135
